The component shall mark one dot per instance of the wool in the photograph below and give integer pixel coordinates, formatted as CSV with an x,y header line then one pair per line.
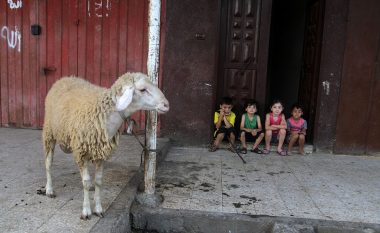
x,y
75,117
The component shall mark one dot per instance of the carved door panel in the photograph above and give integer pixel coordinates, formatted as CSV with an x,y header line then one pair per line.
x,y
243,50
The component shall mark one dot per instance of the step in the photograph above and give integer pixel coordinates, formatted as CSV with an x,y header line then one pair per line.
x,y
308,148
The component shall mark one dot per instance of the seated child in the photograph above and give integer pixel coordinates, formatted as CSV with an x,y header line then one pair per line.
x,y
297,127
250,127
275,128
224,121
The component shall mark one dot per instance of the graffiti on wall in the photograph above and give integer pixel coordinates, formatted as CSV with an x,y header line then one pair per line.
x,y
13,37
15,5
98,8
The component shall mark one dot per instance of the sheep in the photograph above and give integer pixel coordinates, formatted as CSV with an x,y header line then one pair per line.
x,y
84,119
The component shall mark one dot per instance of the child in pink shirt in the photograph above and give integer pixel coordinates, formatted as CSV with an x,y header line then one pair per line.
x,y
297,127
275,127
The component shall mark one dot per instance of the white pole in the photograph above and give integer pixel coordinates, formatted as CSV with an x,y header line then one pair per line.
x,y
151,116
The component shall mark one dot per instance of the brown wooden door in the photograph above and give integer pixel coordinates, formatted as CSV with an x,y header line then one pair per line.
x,y
358,121
308,86
244,50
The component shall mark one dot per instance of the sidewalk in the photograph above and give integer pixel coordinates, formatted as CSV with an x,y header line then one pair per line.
x,y
317,186
22,174
194,182
322,188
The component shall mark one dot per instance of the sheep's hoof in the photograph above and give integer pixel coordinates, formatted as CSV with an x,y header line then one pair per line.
x,y
85,217
51,195
100,214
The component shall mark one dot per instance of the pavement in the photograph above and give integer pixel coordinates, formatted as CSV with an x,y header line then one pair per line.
x,y
203,191
338,193
22,179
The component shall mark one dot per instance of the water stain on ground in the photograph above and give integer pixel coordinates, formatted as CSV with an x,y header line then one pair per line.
x,y
207,185
235,186
239,204
251,199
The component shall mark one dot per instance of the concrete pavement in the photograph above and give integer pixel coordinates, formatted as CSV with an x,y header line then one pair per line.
x,y
22,177
203,191
321,192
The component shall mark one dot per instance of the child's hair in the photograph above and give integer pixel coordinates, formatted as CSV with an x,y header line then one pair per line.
x,y
276,101
297,105
250,102
226,100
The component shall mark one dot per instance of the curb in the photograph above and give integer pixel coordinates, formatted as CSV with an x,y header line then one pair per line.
x,y
176,221
117,216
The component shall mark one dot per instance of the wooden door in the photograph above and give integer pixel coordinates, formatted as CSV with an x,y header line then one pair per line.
x,y
244,50
18,64
308,86
358,121
95,39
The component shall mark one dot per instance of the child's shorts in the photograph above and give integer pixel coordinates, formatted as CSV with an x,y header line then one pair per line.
x,y
250,138
226,131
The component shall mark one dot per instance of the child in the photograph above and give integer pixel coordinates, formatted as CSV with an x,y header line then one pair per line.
x,y
224,121
297,127
250,127
275,127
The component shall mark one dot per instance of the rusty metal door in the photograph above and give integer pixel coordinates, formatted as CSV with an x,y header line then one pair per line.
x,y
95,39
244,50
308,86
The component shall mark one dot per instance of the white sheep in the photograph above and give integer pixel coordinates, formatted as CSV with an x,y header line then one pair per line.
x,y
85,119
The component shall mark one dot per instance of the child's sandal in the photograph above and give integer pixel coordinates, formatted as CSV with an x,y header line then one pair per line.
x,y
212,148
282,153
266,151
257,151
243,150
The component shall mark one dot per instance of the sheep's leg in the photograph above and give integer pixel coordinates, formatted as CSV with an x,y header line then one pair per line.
x,y
98,188
86,180
49,153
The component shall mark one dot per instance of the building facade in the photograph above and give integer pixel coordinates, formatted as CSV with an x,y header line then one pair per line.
x,y
323,54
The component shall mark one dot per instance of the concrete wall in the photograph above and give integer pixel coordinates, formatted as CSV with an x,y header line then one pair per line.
x,y
334,35
189,67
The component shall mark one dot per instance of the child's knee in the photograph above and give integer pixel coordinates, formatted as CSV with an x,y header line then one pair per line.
x,y
294,136
301,137
268,132
220,136
282,132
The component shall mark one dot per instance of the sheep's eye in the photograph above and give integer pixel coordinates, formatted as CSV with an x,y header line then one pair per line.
x,y
143,90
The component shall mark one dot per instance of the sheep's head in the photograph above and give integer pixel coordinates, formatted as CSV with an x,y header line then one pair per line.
x,y
134,91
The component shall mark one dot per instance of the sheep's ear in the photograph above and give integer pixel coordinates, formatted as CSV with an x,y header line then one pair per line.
x,y
125,99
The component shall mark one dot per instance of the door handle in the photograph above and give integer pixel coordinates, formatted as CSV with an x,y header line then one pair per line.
x,y
47,70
